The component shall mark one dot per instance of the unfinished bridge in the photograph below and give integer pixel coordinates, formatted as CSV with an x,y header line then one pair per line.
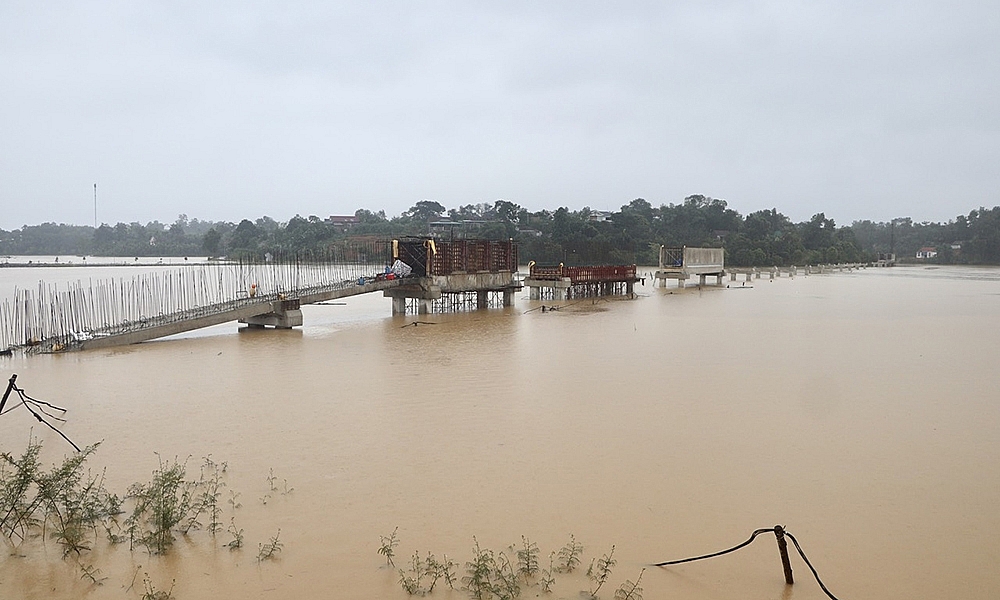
x,y
420,275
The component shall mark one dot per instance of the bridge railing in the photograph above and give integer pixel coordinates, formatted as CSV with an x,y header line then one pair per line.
x,y
546,273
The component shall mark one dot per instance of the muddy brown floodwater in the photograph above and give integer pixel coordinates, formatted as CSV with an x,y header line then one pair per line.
x,y
860,410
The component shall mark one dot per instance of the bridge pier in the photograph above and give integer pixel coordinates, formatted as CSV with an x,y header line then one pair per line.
x,y
284,314
558,288
458,291
663,276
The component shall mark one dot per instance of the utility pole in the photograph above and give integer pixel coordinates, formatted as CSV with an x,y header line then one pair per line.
x,y
95,206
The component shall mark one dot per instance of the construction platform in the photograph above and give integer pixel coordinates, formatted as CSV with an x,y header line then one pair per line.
x,y
562,283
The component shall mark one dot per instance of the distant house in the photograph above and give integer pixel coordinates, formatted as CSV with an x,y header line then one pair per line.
x,y
444,228
599,216
466,228
343,222
927,252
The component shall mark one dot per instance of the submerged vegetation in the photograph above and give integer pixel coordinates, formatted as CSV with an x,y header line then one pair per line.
x,y
492,575
70,505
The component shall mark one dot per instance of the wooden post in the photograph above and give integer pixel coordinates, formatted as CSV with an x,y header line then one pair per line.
x,y
779,534
10,386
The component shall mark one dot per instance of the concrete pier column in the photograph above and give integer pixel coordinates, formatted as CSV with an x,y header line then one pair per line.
x,y
732,276
284,314
534,292
508,297
718,279
630,289
482,300
424,306
749,276
701,280
398,306
756,273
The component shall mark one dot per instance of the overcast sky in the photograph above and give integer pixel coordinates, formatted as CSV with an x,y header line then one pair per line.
x,y
227,110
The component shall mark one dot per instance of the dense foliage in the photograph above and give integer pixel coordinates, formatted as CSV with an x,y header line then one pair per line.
x,y
633,234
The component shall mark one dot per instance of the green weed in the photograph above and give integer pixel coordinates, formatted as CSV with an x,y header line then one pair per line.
x,y
629,590
527,558
74,503
159,506
599,571
387,547
92,573
569,556
237,542
490,575
546,580
151,593
270,549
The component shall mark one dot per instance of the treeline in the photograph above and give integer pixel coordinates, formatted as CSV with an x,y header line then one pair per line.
x,y
968,239
633,234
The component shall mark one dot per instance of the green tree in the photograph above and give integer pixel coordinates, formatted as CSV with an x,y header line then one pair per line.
x,y
247,237
425,211
212,242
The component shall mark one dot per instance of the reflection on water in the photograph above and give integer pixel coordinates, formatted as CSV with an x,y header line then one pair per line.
x,y
859,410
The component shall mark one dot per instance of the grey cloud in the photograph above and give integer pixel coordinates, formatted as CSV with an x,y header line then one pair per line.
x,y
226,110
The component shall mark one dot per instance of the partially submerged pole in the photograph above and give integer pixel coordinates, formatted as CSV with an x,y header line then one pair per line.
x,y
779,534
10,386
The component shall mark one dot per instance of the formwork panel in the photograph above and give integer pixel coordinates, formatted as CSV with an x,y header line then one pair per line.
x,y
473,256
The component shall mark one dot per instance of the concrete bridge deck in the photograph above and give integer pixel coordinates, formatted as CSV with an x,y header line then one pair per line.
x,y
243,309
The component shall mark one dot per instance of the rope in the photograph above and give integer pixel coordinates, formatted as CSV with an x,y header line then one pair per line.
x,y
809,564
714,554
747,543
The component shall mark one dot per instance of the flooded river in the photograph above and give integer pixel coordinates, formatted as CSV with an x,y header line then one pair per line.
x,y
860,410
